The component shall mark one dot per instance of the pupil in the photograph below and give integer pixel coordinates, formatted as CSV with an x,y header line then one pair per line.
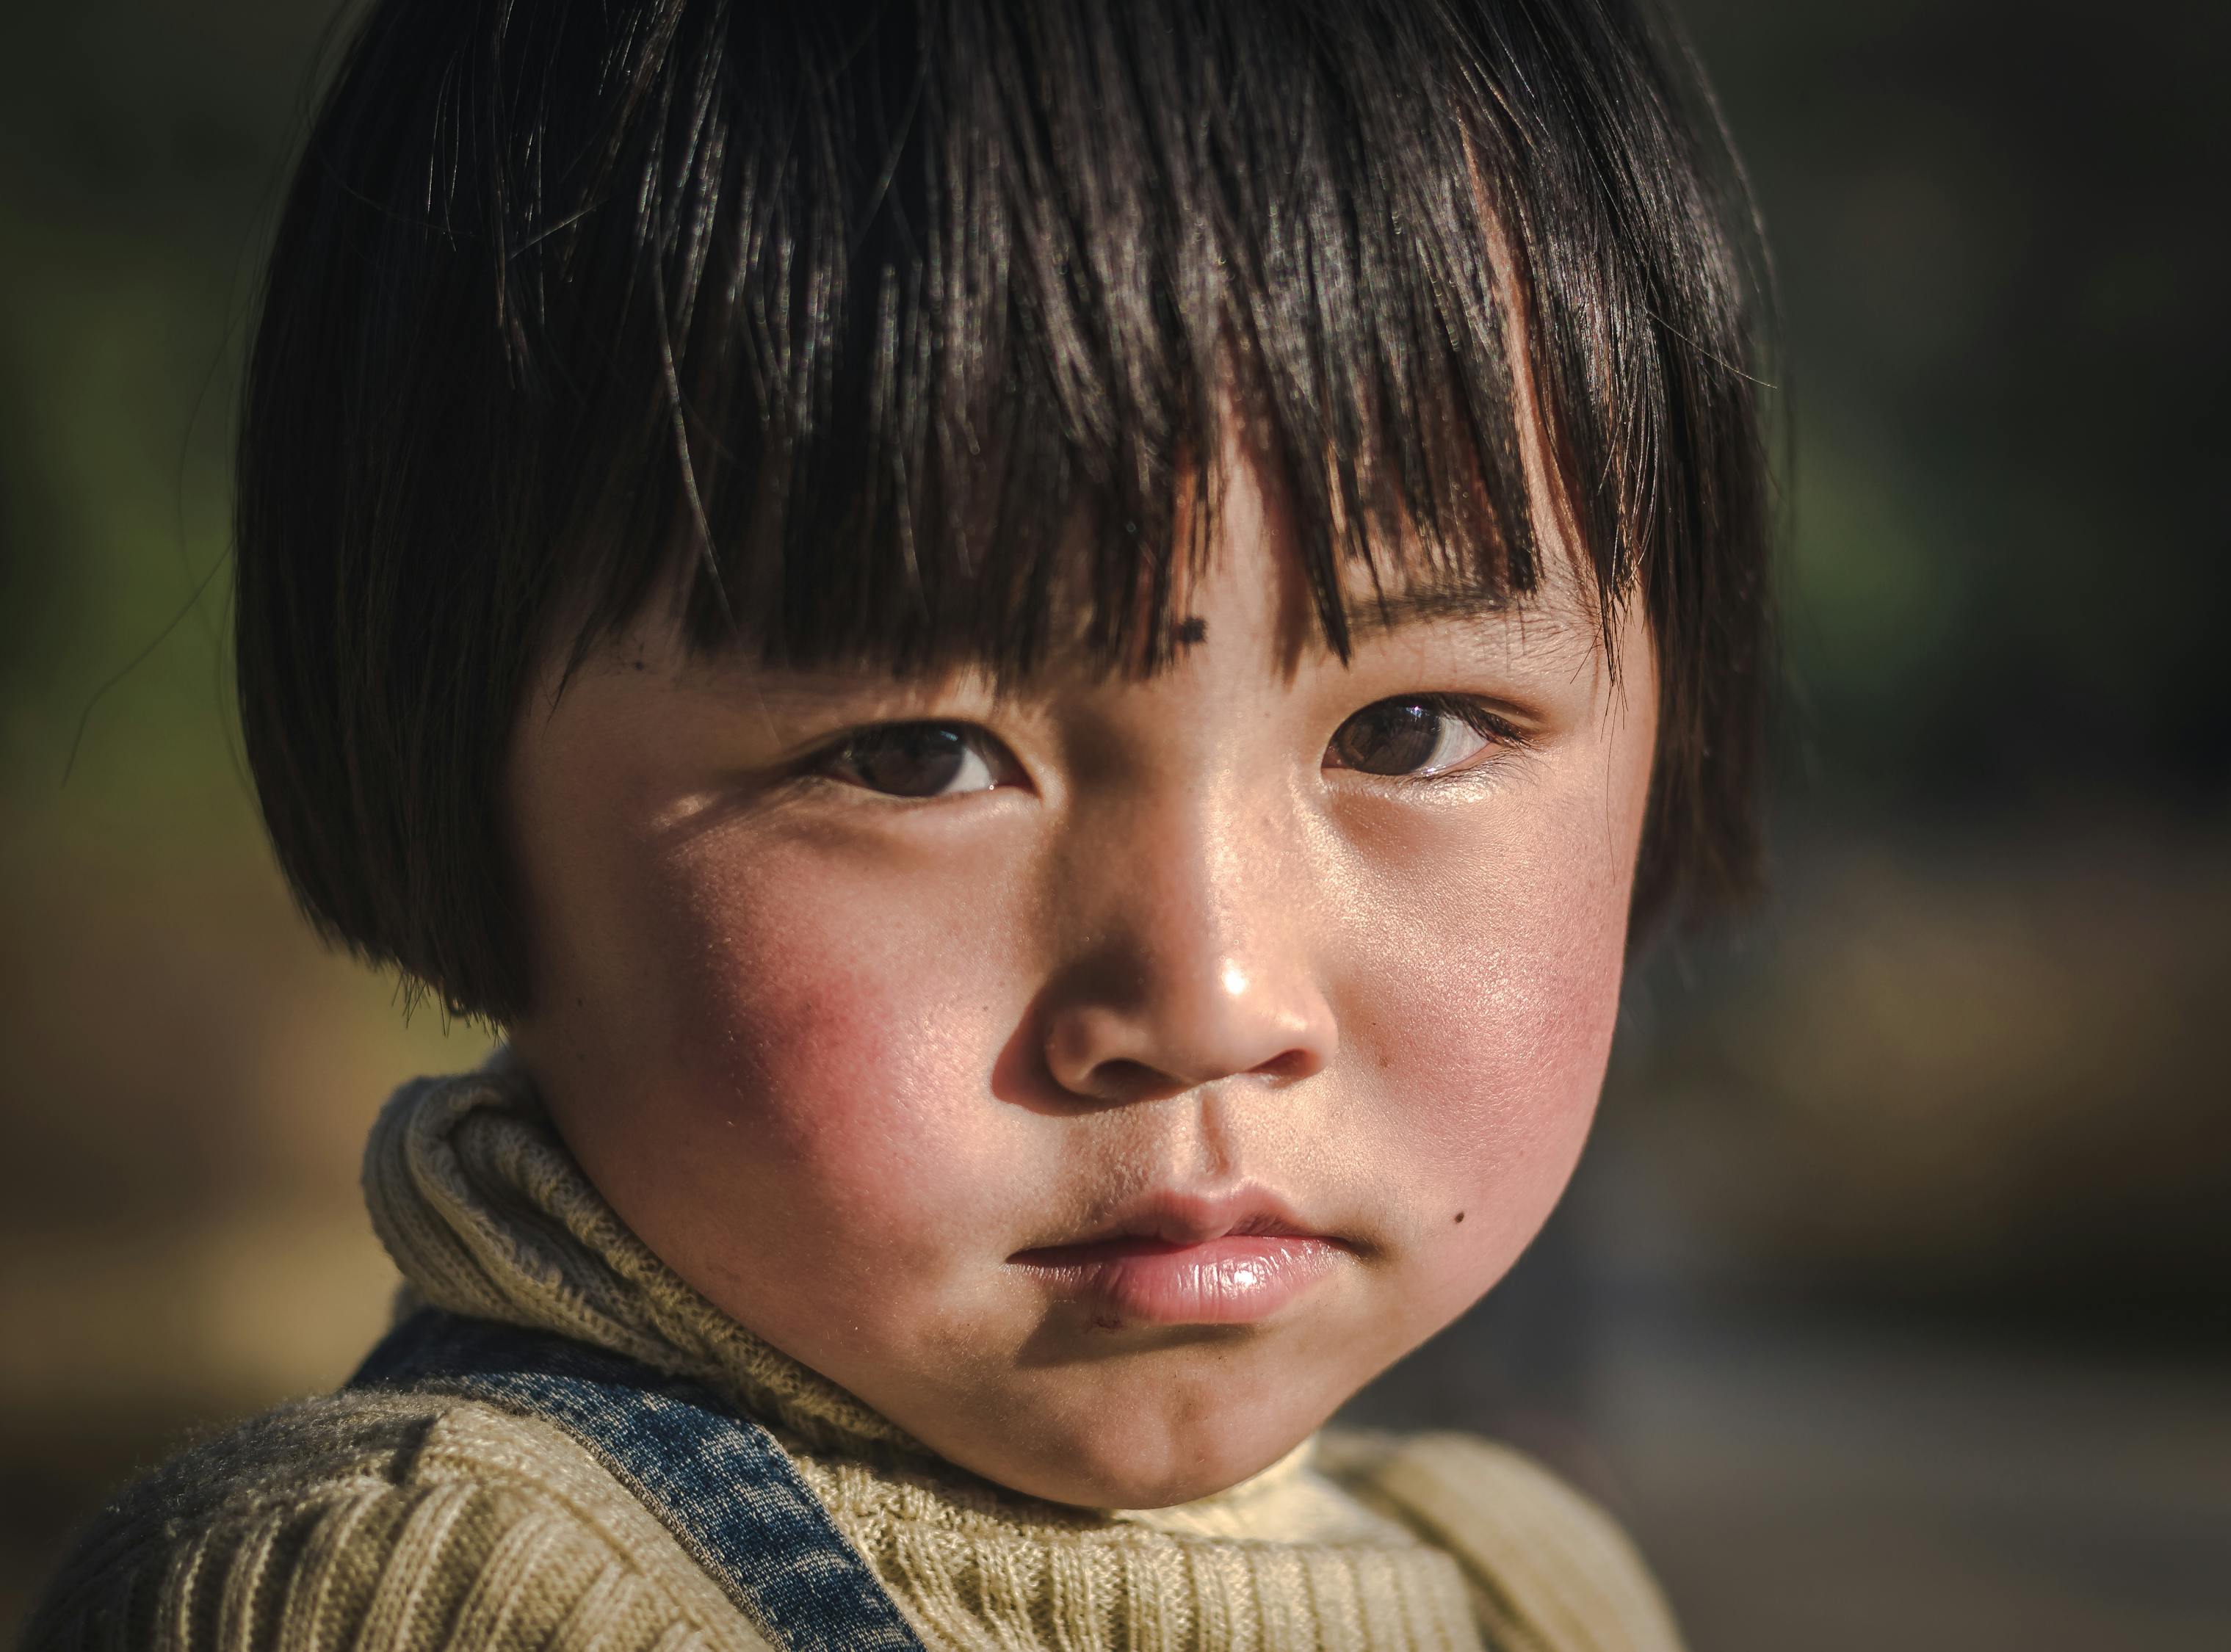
x,y
915,760
1394,737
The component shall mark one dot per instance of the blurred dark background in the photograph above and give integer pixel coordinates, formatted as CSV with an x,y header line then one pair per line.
x,y
1893,1305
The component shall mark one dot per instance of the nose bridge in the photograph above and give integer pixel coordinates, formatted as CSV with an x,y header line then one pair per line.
x,y
1191,882
1195,964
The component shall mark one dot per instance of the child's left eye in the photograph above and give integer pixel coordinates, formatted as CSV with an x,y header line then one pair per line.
x,y
920,759
1415,736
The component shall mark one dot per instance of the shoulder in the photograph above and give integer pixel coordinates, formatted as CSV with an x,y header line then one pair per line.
x,y
407,1521
1549,1569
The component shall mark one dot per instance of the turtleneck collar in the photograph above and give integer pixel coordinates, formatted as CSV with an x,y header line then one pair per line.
x,y
486,1213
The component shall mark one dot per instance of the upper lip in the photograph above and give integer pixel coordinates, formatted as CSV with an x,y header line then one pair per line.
x,y
1192,1219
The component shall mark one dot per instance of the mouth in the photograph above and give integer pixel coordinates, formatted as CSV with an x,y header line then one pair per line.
x,y
1173,1259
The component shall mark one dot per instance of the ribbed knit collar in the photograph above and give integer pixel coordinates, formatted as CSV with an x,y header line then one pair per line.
x,y
486,1213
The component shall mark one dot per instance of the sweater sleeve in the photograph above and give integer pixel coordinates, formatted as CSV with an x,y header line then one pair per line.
x,y
361,1523
1548,1569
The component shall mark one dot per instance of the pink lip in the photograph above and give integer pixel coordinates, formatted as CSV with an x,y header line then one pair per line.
x,y
1190,1261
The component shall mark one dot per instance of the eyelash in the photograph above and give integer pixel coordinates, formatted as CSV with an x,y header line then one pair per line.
x,y
1474,715
827,763
1499,735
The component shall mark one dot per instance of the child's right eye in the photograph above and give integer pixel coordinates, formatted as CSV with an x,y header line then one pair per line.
x,y
921,760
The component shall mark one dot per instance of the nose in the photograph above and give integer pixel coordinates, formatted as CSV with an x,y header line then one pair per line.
x,y
1197,966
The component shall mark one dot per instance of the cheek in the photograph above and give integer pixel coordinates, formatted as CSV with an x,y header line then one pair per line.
x,y
820,1042
1491,1051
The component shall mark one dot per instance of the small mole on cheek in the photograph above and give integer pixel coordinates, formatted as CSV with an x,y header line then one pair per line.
x,y
1190,629
1459,1215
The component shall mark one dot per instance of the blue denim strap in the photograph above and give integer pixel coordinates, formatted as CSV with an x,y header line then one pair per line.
x,y
717,1481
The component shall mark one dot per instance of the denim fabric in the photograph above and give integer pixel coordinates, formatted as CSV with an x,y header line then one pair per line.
x,y
717,1481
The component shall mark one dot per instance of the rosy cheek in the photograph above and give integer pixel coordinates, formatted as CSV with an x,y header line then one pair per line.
x,y
1499,1038
809,1014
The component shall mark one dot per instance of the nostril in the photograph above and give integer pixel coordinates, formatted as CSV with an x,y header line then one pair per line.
x,y
1296,1063
1133,1080
1119,1078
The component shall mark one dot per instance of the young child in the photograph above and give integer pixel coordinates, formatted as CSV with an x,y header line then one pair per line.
x,y
1038,655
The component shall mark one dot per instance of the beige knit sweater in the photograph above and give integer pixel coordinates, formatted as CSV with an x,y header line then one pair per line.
x,y
391,1523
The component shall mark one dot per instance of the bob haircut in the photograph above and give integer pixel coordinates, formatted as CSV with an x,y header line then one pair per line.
x,y
895,328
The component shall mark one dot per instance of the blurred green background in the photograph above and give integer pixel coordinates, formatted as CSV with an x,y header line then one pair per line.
x,y
1894,1303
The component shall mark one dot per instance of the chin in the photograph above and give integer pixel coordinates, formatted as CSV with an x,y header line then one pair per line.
x,y
1150,1479
1123,1456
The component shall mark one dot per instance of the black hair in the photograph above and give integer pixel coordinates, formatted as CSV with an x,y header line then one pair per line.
x,y
900,328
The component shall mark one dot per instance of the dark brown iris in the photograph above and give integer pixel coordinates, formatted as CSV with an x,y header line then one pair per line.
x,y
908,759
1392,737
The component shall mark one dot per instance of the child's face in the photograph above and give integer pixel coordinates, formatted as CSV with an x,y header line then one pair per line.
x,y
1186,1050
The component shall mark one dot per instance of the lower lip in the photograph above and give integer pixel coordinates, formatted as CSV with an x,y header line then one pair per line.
x,y
1236,1280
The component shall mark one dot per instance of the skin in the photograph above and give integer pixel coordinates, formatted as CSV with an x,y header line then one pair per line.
x,y
837,1057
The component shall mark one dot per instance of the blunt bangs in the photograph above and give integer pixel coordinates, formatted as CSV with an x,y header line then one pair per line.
x,y
904,331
